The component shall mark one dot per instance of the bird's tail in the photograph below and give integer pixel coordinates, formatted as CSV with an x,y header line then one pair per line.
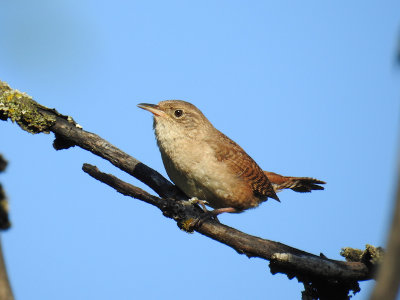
x,y
297,184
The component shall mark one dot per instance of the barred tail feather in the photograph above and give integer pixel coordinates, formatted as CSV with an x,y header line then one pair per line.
x,y
297,184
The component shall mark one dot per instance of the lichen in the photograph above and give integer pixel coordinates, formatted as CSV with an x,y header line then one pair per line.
x,y
351,254
371,255
375,254
187,225
22,109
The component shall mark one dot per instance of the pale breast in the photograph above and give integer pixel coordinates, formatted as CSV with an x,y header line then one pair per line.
x,y
201,175
194,165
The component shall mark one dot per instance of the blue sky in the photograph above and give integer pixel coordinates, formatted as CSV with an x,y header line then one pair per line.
x,y
306,88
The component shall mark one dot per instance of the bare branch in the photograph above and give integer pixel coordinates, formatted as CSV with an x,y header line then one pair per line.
x,y
283,258
122,187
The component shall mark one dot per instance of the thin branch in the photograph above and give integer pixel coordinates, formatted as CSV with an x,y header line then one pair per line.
x,y
122,187
67,132
282,258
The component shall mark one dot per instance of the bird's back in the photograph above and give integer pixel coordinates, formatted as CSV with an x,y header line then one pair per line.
x,y
243,166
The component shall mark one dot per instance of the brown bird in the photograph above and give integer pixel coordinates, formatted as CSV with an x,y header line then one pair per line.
x,y
207,165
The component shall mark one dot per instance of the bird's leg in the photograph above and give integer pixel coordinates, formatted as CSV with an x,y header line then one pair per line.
x,y
218,211
212,214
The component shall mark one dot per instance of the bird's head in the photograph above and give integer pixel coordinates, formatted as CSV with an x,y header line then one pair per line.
x,y
177,117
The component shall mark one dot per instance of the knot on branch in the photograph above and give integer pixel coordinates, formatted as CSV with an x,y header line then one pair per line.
x,y
183,212
61,143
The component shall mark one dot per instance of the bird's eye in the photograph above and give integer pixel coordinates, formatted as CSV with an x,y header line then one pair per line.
x,y
178,113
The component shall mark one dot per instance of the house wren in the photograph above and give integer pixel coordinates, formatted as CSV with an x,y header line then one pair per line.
x,y
205,164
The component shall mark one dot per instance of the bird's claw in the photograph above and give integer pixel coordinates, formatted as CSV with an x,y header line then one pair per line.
x,y
202,203
196,223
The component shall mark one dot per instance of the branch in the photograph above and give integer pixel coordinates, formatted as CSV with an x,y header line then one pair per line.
x,y
5,287
388,279
36,118
316,272
388,282
321,276
4,218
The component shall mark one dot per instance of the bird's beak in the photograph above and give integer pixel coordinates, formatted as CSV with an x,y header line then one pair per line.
x,y
154,109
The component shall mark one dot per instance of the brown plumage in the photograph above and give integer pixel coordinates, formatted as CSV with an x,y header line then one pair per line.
x,y
297,184
243,166
205,164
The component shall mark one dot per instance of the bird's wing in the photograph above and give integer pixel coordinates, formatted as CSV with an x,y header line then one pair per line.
x,y
242,165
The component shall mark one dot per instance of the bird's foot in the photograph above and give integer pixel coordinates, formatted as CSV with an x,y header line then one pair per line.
x,y
202,203
211,214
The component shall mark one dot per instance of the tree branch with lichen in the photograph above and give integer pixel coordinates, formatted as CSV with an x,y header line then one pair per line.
x,y
323,278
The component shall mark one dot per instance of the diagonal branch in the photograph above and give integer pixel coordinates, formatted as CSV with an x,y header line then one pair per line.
x,y
36,118
318,273
282,258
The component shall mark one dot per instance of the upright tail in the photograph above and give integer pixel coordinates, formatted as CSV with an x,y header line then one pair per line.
x,y
297,184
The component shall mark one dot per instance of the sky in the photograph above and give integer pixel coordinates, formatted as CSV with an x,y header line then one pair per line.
x,y
307,88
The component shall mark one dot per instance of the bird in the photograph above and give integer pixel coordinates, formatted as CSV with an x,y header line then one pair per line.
x,y
210,167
